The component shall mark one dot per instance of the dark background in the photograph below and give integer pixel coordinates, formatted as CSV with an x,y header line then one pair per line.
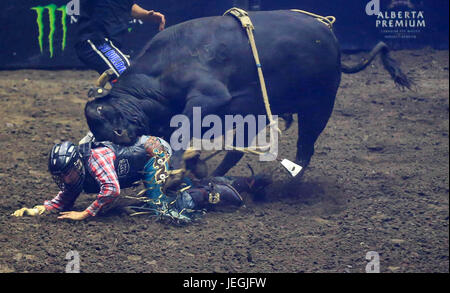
x,y
356,31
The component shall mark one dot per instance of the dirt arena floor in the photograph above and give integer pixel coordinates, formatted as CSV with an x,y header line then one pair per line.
x,y
379,181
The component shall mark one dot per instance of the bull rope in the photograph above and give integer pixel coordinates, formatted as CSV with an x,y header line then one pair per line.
x,y
327,20
247,24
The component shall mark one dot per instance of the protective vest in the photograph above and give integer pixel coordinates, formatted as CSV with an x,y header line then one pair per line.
x,y
129,163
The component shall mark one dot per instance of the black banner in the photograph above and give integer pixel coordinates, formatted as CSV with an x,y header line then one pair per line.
x,y
41,33
247,282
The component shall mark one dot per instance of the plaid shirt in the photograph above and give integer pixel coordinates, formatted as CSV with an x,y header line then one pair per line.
x,y
101,166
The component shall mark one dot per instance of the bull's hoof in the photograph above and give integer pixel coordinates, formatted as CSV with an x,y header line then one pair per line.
x,y
260,182
302,172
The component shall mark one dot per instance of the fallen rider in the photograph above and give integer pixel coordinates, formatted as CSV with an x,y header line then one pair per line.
x,y
105,168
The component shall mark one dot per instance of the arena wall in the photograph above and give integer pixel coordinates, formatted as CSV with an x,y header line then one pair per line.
x,y
40,33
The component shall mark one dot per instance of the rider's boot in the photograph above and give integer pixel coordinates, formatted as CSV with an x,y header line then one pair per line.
x,y
211,195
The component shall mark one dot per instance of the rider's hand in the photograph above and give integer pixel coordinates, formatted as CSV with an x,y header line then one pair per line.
x,y
156,17
36,211
72,215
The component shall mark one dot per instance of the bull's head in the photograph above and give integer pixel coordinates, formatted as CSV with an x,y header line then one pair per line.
x,y
108,123
125,113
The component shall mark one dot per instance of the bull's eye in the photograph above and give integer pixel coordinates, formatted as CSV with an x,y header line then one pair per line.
x,y
99,109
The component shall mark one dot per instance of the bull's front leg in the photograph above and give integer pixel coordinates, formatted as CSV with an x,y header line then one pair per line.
x,y
210,96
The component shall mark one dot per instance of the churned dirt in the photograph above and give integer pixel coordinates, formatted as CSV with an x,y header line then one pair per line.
x,y
379,181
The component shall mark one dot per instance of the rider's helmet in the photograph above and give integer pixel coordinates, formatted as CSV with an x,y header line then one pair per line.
x,y
66,166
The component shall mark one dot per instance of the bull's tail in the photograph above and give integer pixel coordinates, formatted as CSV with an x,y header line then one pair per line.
x,y
389,64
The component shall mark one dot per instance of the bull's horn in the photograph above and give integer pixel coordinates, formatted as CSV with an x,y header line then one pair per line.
x,y
104,78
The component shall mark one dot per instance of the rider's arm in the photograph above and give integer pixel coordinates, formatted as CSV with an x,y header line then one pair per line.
x,y
62,201
101,163
139,12
148,15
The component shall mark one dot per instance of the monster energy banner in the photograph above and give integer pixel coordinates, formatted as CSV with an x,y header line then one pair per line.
x,y
51,9
37,34
42,33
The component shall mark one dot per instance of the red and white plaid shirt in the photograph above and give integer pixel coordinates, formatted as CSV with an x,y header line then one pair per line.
x,y
101,166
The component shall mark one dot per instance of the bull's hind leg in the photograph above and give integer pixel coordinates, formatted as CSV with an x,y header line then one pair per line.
x,y
312,120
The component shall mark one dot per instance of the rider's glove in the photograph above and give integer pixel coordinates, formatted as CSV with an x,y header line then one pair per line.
x,y
36,211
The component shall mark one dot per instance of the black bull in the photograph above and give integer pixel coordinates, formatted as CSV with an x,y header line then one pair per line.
x,y
208,63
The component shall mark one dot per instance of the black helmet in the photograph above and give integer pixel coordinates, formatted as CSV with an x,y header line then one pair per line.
x,y
63,158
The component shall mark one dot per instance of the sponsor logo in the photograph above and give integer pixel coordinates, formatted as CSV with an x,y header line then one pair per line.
x,y
123,167
52,11
113,57
55,13
402,19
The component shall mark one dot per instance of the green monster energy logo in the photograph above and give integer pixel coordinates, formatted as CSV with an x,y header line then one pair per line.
x,y
51,8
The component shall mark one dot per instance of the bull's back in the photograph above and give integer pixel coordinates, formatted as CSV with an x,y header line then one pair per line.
x,y
296,51
295,47
299,54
